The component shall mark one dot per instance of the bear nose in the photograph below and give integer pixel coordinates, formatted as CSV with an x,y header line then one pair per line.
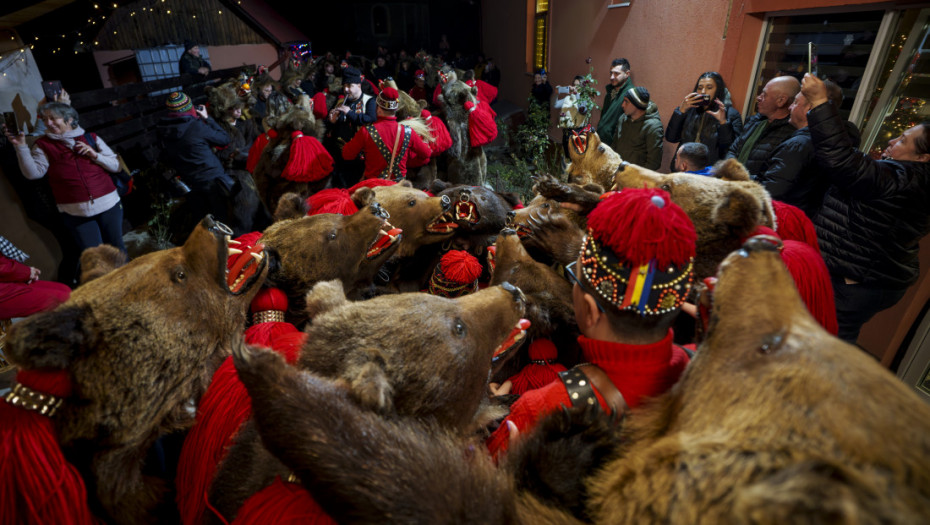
x,y
511,215
514,291
508,231
379,211
446,202
760,243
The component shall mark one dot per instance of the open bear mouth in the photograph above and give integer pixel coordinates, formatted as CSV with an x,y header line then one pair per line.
x,y
243,266
492,258
516,336
385,240
445,223
466,211
580,142
522,230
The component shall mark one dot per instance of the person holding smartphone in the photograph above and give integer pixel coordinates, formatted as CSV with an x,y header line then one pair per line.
x,y
78,164
706,115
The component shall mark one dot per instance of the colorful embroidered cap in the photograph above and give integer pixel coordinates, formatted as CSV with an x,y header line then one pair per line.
x,y
178,102
639,252
387,99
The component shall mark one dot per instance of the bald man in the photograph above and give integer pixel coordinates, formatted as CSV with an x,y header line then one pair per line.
x,y
767,129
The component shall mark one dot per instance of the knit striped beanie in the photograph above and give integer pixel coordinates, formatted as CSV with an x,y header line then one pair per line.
x,y
178,102
638,96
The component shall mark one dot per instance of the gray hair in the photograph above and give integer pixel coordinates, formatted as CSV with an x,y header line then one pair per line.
x,y
62,111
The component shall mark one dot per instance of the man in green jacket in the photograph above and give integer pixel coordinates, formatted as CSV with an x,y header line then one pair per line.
x,y
620,82
639,130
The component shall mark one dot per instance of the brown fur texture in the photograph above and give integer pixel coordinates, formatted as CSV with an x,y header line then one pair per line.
x,y
775,421
469,164
594,163
327,246
412,210
141,344
268,181
99,261
433,369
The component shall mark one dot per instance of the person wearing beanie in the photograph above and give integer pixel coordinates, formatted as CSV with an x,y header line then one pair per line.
x,y
456,275
632,275
352,111
191,63
187,136
639,137
388,145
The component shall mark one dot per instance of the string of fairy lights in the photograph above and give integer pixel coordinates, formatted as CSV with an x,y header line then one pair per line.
x,y
11,58
84,38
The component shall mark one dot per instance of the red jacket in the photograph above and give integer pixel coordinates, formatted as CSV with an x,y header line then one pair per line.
x,y
73,177
417,154
638,371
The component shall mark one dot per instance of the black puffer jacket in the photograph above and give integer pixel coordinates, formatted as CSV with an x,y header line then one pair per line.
x,y
875,212
760,159
187,144
685,127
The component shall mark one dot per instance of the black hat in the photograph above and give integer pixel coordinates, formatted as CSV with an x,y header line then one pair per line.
x,y
188,44
350,75
638,96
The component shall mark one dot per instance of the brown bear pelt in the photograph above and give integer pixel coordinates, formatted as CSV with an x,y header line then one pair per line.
x,y
417,214
775,421
395,357
468,165
591,160
271,164
141,344
99,261
724,210
328,246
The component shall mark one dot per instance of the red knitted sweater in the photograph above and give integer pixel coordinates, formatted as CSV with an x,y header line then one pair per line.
x,y
638,371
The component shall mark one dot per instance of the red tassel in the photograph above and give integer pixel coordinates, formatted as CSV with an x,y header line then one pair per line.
x,y
280,503
542,350
812,280
371,183
792,223
482,129
332,200
255,152
642,225
486,92
460,266
437,128
37,484
319,105
308,160
224,407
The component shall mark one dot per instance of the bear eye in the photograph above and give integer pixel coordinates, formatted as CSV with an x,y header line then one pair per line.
x,y
179,275
331,236
459,329
412,203
667,187
545,205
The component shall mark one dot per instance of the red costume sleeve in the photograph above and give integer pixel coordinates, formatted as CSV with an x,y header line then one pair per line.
x,y
12,271
419,153
354,146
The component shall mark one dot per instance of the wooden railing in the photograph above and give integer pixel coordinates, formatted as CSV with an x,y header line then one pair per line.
x,y
126,116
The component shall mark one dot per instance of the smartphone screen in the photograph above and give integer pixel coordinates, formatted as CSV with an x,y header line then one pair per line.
x,y
9,120
51,88
812,59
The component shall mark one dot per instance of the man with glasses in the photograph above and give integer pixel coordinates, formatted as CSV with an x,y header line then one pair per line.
x,y
634,271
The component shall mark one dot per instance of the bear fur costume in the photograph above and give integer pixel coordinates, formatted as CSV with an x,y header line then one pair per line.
x,y
422,217
724,210
592,161
774,421
434,368
268,180
329,246
141,344
467,165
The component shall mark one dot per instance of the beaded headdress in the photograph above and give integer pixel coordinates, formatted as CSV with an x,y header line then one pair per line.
x,y
639,252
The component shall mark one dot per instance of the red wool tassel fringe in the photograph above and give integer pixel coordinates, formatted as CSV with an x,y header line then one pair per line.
x,y
460,267
332,200
255,152
792,223
282,503
37,484
812,280
371,183
308,160
642,225
482,129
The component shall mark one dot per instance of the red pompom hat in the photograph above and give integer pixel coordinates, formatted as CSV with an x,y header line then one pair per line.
x,y
387,99
456,274
639,252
